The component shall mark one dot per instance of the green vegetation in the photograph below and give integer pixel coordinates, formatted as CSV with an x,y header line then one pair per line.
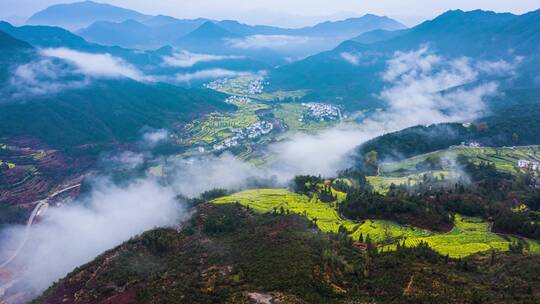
x,y
413,170
219,126
253,86
106,111
281,95
291,114
8,164
504,159
469,235
228,254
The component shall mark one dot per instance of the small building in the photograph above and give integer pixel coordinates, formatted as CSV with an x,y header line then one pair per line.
x,y
528,165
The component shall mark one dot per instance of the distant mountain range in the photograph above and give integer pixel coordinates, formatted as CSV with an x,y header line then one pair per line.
x,y
73,16
480,35
114,26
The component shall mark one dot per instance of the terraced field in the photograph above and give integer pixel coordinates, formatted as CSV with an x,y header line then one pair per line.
x,y
291,113
505,159
218,126
253,86
469,236
405,171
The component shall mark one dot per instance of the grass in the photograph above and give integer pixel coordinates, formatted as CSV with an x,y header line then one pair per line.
x,y
469,236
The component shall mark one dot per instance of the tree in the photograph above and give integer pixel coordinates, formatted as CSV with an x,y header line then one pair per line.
x,y
372,161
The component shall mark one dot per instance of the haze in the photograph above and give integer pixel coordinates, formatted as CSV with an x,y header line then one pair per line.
x,y
285,13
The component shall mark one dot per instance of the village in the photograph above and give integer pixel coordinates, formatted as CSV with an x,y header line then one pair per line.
x,y
320,112
254,131
237,100
248,86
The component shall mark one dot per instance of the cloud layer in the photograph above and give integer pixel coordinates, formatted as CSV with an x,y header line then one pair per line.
x,y
185,59
351,58
74,234
269,41
209,74
422,88
96,65
60,69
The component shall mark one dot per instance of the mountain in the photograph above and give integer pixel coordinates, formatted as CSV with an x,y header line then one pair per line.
x,y
209,31
211,38
150,33
247,30
495,130
9,43
84,110
378,36
352,27
12,50
129,33
268,258
81,14
45,36
106,111
165,30
480,35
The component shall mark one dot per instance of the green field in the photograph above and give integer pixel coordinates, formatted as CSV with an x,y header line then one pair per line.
x,y
240,86
291,113
469,236
405,173
218,126
505,159
280,95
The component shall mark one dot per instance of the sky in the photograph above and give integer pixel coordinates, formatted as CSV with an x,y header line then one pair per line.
x,y
286,12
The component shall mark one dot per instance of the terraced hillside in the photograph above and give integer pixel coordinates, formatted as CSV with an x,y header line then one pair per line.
x,y
469,236
228,254
410,171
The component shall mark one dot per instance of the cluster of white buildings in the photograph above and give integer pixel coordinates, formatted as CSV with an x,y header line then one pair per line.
x,y
472,144
237,100
528,165
255,87
321,112
216,84
255,130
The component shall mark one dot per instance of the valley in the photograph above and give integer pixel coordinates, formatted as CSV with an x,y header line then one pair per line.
x,y
154,159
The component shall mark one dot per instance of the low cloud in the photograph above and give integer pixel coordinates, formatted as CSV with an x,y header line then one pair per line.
x,y
210,74
41,77
422,88
185,59
97,65
192,176
269,42
351,58
152,138
56,70
126,160
500,67
69,236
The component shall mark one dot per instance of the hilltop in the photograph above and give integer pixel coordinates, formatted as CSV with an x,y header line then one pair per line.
x,y
229,254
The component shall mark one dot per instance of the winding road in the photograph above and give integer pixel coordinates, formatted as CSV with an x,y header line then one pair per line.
x,y
39,209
